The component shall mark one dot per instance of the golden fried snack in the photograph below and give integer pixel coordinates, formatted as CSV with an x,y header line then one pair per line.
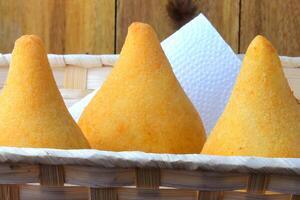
x,y
262,117
32,111
141,106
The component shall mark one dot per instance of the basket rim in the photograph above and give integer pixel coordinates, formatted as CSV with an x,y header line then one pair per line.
x,y
134,159
99,60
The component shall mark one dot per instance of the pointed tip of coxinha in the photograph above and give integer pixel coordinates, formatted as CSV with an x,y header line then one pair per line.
x,y
143,47
262,115
141,106
32,111
136,27
29,47
261,43
261,72
142,34
32,41
259,51
29,59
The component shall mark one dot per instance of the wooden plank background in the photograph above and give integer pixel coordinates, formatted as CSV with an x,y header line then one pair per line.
x,y
66,26
152,12
279,21
100,26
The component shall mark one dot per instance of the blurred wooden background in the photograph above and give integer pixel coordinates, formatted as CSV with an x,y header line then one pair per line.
x,y
100,26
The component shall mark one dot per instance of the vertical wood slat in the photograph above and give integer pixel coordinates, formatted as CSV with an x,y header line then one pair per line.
x,y
208,195
148,178
75,77
103,194
9,192
257,183
52,175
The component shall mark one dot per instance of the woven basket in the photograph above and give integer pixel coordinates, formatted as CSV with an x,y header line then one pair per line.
x,y
76,76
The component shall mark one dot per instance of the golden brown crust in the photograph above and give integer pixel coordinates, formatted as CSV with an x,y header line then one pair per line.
x,y
141,106
262,116
32,111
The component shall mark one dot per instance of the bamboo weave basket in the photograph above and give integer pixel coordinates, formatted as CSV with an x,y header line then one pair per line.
x,y
76,76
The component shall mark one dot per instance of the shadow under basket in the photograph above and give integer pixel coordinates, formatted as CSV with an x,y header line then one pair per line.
x,y
76,76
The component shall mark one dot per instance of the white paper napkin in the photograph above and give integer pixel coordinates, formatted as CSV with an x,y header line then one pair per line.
x,y
204,64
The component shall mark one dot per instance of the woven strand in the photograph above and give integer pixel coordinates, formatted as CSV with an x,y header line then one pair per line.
x,y
82,182
90,61
9,192
52,175
257,183
148,178
103,194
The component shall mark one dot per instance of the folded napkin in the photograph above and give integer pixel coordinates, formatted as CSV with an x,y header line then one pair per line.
x,y
204,64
